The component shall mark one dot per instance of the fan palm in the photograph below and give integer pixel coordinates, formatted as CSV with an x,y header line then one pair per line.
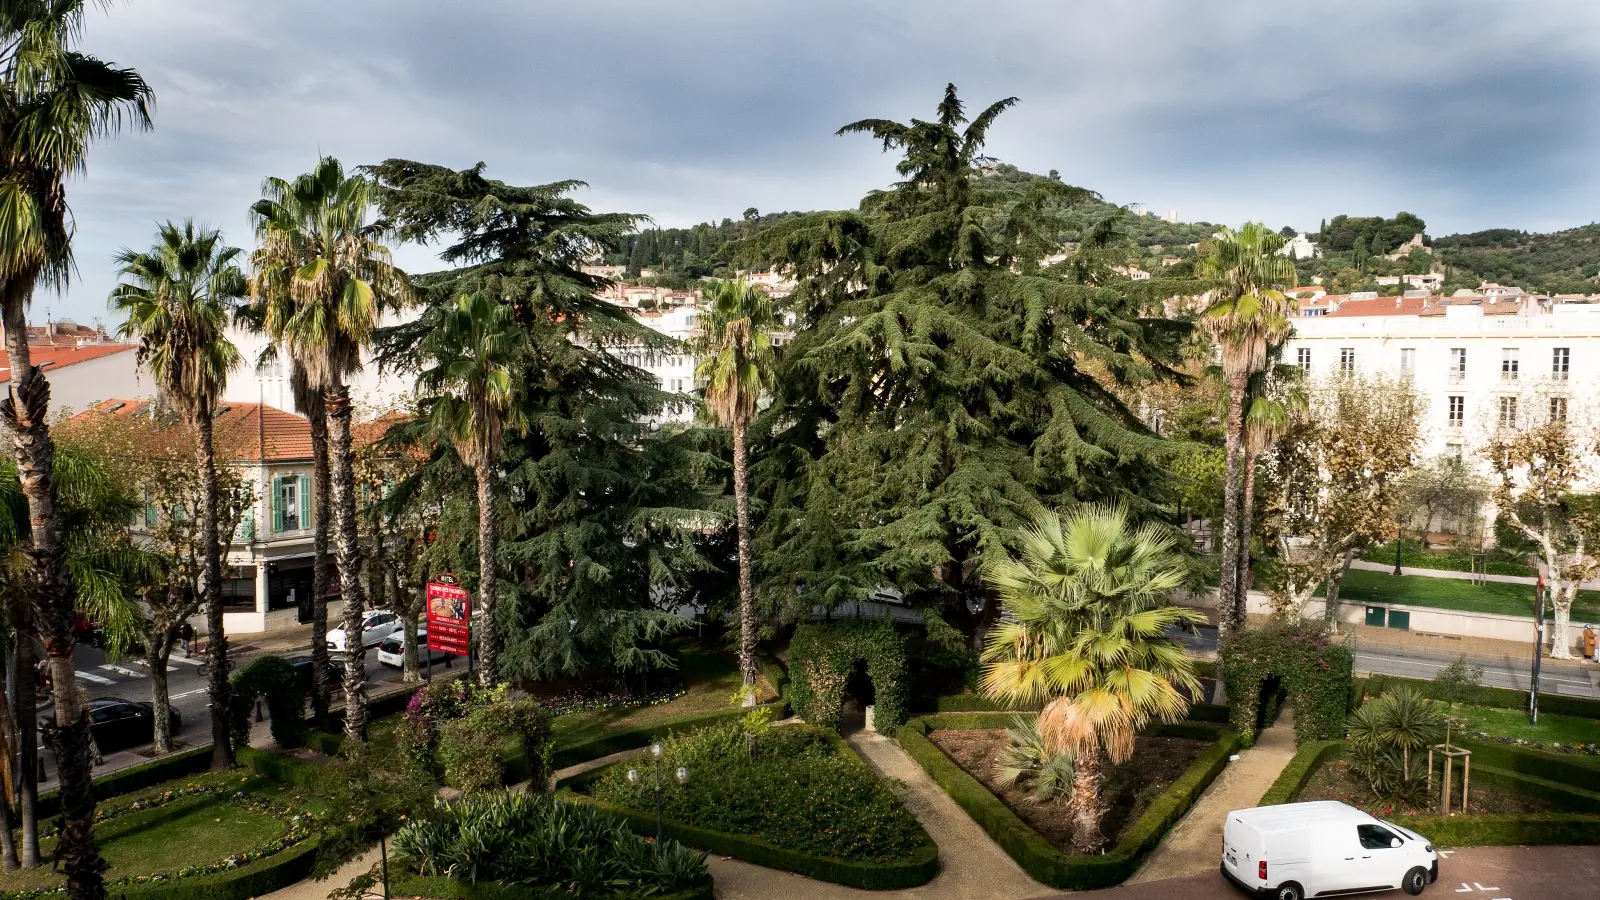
x,y
1083,630
177,297
1248,316
323,278
309,402
54,103
470,393
734,344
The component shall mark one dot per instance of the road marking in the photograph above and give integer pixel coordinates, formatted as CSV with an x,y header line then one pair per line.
x,y
186,694
1482,888
121,671
94,678
1446,854
187,661
146,663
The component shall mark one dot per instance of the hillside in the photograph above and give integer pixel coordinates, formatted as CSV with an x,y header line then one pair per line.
x,y
1562,262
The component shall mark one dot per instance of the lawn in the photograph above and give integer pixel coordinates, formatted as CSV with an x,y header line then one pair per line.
x,y
710,679
1512,723
1364,586
198,829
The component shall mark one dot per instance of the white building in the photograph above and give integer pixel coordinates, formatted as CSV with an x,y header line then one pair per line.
x,y
1299,247
1479,362
373,393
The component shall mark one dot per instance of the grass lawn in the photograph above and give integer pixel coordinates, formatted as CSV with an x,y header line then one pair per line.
x,y
710,679
1513,723
1364,586
197,830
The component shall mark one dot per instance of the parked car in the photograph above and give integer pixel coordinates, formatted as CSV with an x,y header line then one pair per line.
x,y
118,724
392,652
1298,850
376,625
302,671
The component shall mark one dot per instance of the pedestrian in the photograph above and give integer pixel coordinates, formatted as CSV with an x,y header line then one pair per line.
x,y
1589,643
186,631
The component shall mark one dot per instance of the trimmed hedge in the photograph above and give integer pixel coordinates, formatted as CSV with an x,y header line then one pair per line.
x,y
1043,862
1581,772
440,888
1307,760
1546,829
1497,698
261,877
135,778
977,703
821,657
775,674
609,742
276,766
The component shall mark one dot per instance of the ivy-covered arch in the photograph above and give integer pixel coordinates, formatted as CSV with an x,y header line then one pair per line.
x,y
1312,667
821,656
272,677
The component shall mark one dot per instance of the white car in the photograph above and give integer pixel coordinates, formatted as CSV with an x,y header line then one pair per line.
x,y
376,625
392,651
1298,850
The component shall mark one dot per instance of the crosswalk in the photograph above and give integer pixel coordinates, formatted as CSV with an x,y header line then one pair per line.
x,y
135,669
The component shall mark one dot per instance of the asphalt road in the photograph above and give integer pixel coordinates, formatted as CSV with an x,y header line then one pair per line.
x,y
1475,873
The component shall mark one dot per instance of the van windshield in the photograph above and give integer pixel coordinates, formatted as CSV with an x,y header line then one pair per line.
x,y
1375,837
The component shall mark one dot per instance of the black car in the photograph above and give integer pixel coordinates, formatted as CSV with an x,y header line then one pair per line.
x,y
302,671
118,723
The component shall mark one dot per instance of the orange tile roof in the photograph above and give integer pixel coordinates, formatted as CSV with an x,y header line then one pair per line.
x,y
1381,306
51,358
243,431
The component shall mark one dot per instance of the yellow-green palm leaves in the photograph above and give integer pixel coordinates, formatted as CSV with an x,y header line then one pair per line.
x,y
1083,630
474,381
177,297
734,343
1250,312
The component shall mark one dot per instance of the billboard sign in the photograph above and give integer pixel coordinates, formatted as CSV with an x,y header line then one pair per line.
x,y
449,607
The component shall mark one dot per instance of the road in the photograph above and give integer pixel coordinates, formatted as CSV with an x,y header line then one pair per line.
x,y
1504,671
1476,873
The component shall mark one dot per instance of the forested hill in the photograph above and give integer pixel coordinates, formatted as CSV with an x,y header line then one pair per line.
x,y
1559,262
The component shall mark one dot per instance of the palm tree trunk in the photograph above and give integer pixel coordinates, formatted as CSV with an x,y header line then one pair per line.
x,y
349,551
320,688
747,598
217,687
1246,529
1227,590
8,841
26,411
1087,810
487,649
25,674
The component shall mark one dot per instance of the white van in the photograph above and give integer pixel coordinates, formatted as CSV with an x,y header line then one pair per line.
x,y
1320,849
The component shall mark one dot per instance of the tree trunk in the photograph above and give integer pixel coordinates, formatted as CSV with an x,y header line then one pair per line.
x,y
1561,596
349,550
1087,808
217,687
487,655
157,649
747,597
8,842
26,410
25,673
320,688
1228,587
1330,610
1246,531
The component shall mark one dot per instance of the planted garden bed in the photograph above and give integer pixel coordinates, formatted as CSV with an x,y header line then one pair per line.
x,y
1128,789
1333,780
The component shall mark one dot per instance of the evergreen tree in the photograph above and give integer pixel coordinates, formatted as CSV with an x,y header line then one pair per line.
x,y
942,387
603,513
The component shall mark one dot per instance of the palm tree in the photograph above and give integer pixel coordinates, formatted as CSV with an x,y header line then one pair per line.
x,y
1247,317
1276,396
736,367
178,296
309,402
54,103
1083,630
470,394
323,279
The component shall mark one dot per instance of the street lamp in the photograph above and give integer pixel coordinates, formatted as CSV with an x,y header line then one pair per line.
x,y
635,777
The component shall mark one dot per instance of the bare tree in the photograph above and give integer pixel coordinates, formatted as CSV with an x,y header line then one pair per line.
x,y
1444,490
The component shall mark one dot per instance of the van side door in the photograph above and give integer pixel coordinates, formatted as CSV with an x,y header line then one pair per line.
x,y
1385,863
1336,862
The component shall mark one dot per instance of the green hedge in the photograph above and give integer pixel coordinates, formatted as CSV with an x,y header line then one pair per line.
x,y
277,767
408,885
259,878
608,742
821,657
1498,698
1547,829
1043,862
977,703
1307,760
775,674
135,778
1581,772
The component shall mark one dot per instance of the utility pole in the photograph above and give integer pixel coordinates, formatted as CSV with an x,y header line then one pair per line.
x,y
1538,650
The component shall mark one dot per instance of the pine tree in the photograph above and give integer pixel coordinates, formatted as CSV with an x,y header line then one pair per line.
x,y
941,387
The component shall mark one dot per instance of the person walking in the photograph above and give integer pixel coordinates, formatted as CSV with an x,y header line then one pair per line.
x,y
186,632
1589,640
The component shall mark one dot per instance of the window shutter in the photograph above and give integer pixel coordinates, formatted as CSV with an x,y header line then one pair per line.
x,y
277,504
151,514
305,502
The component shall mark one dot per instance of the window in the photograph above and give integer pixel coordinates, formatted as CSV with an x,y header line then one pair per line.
x,y
1560,363
152,515
1302,358
291,503
1558,409
1508,412
272,368
1454,450
1509,364
1347,360
1376,837
1458,411
1458,362
1408,362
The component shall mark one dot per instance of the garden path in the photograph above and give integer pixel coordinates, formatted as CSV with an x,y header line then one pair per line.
x,y
1191,847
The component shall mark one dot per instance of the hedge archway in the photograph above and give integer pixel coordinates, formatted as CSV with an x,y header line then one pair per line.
x,y
821,656
1311,666
274,678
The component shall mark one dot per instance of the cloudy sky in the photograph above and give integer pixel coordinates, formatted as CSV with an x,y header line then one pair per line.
x,y
1471,114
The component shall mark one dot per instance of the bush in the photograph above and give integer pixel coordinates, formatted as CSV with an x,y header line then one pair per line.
x,y
274,678
1314,669
405,884
607,743
1028,758
541,841
1307,760
455,730
1387,740
821,656
469,753
1459,682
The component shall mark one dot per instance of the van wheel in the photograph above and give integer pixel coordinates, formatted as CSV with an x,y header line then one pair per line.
x,y
1416,880
1289,891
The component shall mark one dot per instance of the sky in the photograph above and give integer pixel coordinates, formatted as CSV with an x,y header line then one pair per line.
x,y
1470,114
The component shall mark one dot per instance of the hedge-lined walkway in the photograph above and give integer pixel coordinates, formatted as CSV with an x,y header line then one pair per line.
x,y
970,864
1191,847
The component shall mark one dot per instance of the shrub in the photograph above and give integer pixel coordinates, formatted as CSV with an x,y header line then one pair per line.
x,y
456,729
273,677
538,840
1030,759
821,656
1314,669
1386,736
1459,682
468,751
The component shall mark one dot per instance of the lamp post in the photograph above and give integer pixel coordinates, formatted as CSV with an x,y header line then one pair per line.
x,y
1397,551
1538,650
634,777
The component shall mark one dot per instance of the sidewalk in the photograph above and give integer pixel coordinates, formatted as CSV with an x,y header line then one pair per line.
x,y
1591,584
1368,637
1191,847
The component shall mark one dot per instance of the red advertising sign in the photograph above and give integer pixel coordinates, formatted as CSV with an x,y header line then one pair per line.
x,y
448,608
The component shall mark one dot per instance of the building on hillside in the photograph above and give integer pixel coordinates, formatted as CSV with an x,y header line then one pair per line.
x,y
1300,247
1405,250
610,273
1132,273
1432,281
268,564
1480,362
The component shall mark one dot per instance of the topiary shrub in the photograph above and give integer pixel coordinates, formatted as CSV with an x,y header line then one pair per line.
x,y
273,677
456,730
1311,665
469,753
821,656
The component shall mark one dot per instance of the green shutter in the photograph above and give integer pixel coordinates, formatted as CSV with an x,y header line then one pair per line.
x,y
305,502
247,526
151,514
277,504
